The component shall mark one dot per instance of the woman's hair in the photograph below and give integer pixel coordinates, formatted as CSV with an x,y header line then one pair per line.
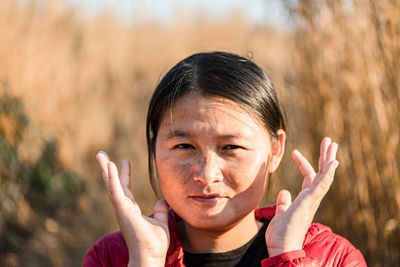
x,y
214,74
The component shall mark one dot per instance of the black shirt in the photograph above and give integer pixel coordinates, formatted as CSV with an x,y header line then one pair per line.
x,y
250,254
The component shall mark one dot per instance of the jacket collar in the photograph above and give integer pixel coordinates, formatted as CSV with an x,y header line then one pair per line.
x,y
175,250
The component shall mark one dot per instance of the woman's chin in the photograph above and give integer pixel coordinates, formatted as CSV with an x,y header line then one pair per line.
x,y
208,225
209,221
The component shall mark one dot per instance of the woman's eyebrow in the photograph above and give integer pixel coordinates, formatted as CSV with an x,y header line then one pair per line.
x,y
179,133
174,134
231,136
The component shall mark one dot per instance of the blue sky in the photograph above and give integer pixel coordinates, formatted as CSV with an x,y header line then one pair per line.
x,y
266,12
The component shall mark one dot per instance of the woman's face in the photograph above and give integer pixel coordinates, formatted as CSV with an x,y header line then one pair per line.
x,y
212,159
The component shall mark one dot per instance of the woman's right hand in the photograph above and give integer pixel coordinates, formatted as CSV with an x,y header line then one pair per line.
x,y
147,238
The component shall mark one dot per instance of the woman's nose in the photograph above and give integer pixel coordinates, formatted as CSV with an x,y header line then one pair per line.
x,y
210,169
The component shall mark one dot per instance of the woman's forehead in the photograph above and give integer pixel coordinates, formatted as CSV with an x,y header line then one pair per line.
x,y
195,112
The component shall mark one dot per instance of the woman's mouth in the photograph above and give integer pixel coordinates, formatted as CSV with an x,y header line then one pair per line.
x,y
211,199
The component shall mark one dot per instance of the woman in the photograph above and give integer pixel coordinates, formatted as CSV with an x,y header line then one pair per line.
x,y
215,131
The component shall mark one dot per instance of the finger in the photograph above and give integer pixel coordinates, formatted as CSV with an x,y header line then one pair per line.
x,y
324,180
125,176
305,167
102,159
103,155
161,211
330,155
323,150
283,201
114,187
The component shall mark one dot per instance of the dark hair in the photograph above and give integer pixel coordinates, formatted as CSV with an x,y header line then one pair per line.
x,y
221,74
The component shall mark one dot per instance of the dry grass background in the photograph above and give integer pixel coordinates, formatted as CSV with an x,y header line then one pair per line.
x,y
348,77
86,81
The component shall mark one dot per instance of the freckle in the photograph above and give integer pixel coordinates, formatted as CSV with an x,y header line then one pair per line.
x,y
184,170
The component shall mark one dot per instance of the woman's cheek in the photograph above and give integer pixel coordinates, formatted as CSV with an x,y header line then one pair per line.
x,y
244,171
173,174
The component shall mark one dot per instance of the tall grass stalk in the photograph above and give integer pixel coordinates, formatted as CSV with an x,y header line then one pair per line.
x,y
348,80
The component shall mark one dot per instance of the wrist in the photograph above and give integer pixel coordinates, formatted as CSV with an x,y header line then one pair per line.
x,y
277,251
142,261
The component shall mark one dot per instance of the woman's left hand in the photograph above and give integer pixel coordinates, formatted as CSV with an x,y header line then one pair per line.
x,y
287,229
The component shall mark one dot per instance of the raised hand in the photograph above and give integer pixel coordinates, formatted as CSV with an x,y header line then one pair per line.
x,y
147,238
287,229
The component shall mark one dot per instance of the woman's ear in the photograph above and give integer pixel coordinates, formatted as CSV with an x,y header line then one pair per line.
x,y
277,150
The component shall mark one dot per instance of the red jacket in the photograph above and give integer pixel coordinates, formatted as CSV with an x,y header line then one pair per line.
x,y
321,247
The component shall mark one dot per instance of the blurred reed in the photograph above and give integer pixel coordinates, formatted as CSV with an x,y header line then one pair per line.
x,y
348,86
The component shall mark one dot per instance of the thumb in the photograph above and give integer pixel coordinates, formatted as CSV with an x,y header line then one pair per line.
x,y
161,211
283,201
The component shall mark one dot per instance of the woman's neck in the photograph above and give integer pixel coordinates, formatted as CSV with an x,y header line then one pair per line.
x,y
204,241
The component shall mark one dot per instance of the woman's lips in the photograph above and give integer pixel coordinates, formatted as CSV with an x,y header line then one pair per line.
x,y
208,198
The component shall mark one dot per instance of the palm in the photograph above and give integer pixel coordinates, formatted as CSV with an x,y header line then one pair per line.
x,y
147,238
287,229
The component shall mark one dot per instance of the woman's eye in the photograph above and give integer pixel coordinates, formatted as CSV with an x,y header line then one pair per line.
x,y
184,146
231,147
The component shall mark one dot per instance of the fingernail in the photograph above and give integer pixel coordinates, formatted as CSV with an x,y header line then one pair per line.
x,y
336,164
104,153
